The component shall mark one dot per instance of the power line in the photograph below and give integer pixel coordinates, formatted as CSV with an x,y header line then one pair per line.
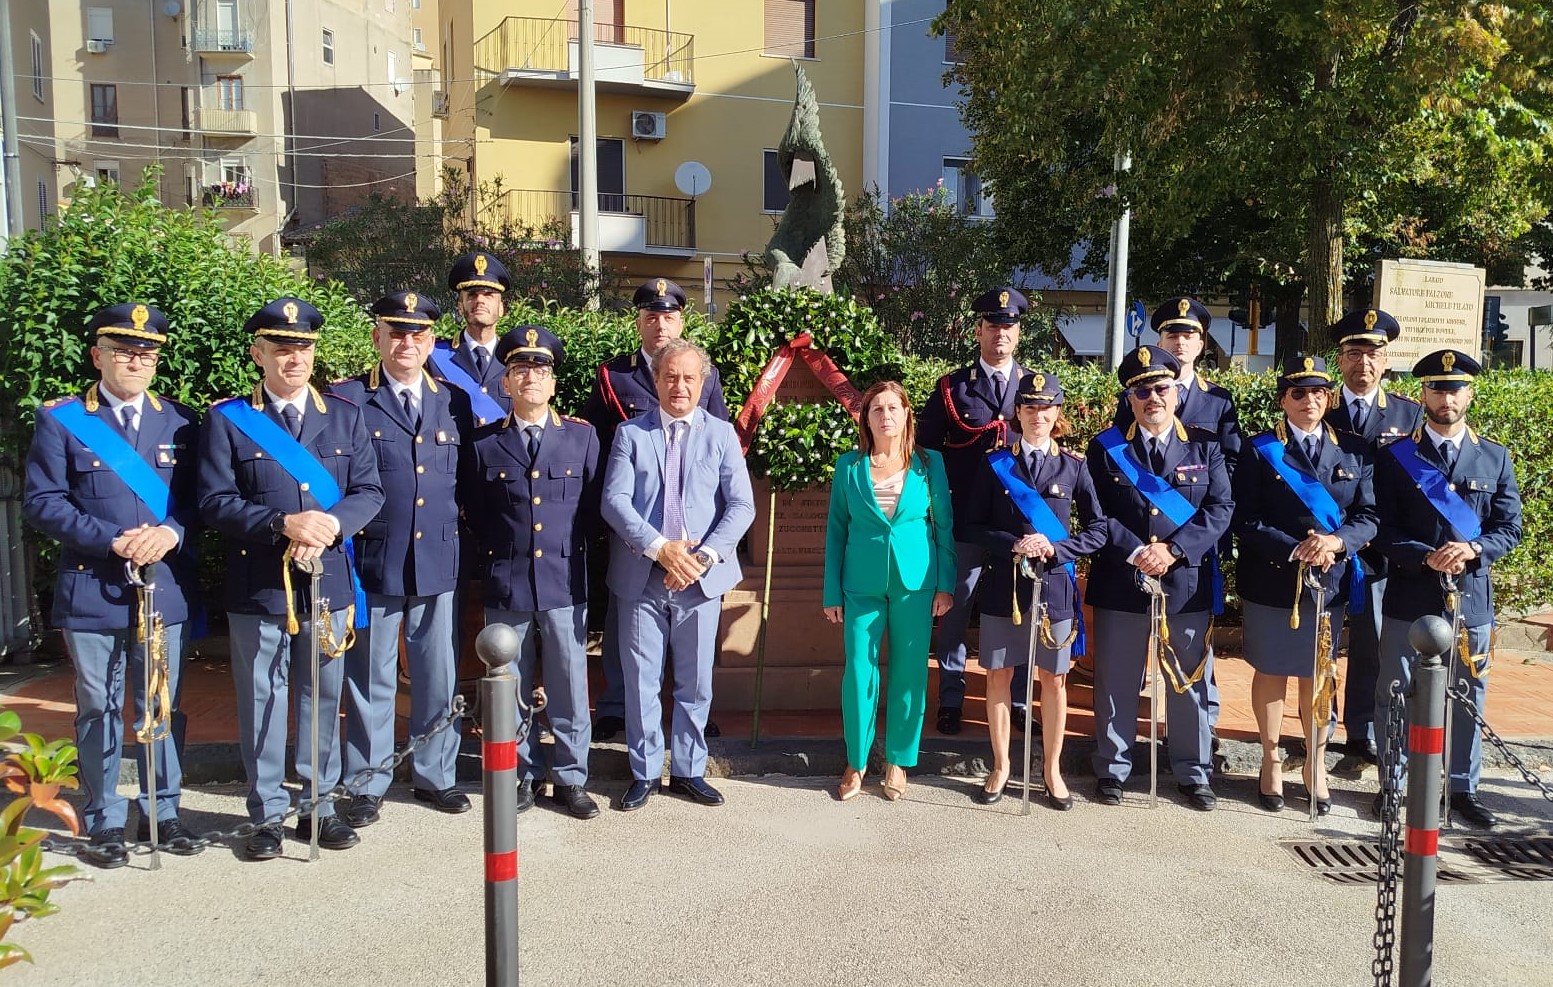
x,y
329,139
204,153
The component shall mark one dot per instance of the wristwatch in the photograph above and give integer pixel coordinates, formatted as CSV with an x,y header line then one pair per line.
x,y
278,525
1176,552
704,557
1477,548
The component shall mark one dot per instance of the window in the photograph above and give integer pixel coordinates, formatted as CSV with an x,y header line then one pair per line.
x,y
43,199
417,40
328,47
37,67
775,193
612,174
235,170
393,67
228,36
186,107
99,24
790,28
951,48
105,110
377,122
964,191
106,171
229,92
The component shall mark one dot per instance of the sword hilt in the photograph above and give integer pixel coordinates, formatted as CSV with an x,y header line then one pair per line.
x,y
312,568
1150,584
139,576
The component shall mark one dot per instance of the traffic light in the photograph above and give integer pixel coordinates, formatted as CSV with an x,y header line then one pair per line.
x,y
1495,327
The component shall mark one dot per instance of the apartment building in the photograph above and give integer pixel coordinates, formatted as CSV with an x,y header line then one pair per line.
x,y
278,113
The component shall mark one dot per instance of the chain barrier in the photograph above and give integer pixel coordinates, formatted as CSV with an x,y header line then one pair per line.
x,y
304,807
1460,695
1390,863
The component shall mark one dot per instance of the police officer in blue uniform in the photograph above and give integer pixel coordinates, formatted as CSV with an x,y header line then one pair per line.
x,y
1166,490
1365,408
1304,504
533,484
1022,509
1449,507
408,559
285,473
480,282
624,389
968,415
110,476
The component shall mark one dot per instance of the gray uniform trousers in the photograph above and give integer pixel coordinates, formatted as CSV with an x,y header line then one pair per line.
x,y
1363,666
102,661
265,660
949,644
372,686
1396,665
683,623
613,701
1121,641
555,641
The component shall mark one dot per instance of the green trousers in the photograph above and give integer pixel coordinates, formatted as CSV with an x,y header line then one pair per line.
x,y
907,617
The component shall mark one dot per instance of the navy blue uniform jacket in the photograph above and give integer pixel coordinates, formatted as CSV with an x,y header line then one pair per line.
x,y
964,421
996,523
1391,417
624,389
242,489
412,547
490,384
1194,466
1205,405
1410,528
1270,519
72,497
531,519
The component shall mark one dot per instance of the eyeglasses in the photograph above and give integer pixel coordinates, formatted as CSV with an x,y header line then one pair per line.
x,y
531,370
124,358
1364,355
1142,391
1301,393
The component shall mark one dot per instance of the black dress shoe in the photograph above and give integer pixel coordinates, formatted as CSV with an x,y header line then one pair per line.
x,y
712,731
949,720
1472,811
1062,804
1199,797
449,800
172,835
1108,791
695,789
264,844
363,811
1016,719
1323,807
106,849
1365,751
605,727
575,800
983,797
637,795
525,797
333,832
1272,803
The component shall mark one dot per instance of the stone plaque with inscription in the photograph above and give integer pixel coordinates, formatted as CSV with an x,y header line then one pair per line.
x,y
1439,305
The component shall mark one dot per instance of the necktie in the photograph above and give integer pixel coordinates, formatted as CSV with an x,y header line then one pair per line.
x,y
1357,415
409,409
1036,458
673,507
481,361
1312,448
534,432
293,419
132,432
998,383
1448,455
1156,456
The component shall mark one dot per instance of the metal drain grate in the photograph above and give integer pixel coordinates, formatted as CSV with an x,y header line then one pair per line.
x,y
1356,861
1528,859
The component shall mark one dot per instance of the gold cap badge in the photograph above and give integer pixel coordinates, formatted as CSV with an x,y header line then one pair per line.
x,y
1039,382
481,263
1183,306
411,300
1448,361
291,311
531,337
1310,364
140,315
1144,356
662,287
1370,318
1002,299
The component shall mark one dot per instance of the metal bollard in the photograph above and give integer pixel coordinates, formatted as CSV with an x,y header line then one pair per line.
x,y
1430,637
497,646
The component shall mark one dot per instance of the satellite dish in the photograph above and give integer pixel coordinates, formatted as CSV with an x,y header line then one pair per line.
x,y
692,178
172,8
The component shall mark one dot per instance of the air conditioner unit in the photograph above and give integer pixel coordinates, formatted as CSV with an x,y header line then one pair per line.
x,y
97,47
648,126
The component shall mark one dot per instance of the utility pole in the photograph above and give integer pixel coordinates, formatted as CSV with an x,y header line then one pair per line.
x,y
1116,282
587,150
11,173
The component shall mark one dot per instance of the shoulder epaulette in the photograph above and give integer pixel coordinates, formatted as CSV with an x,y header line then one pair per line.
x,y
60,400
1074,453
576,421
1196,432
340,398
220,401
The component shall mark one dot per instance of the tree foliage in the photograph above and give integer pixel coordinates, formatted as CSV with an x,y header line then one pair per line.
x,y
1267,139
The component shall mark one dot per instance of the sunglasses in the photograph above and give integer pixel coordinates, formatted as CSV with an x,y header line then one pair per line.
x,y
1142,391
1301,393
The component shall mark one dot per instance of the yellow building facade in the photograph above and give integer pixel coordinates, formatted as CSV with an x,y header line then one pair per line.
x,y
680,83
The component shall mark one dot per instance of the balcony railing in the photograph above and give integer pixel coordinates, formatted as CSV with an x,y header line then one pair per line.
x,y
237,123
534,45
231,200
215,40
627,223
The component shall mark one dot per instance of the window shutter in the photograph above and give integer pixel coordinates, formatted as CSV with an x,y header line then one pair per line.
x,y
790,28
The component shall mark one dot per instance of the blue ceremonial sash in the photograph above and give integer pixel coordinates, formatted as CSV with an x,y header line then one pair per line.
x,y
294,458
1154,488
1041,517
1318,500
484,406
116,453
1436,487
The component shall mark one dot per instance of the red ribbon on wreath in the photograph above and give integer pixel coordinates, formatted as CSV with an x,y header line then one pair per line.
x,y
764,391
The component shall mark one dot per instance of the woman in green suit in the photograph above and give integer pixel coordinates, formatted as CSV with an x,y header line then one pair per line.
x,y
889,569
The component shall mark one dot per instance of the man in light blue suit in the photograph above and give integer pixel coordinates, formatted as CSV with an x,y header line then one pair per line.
x,y
677,498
